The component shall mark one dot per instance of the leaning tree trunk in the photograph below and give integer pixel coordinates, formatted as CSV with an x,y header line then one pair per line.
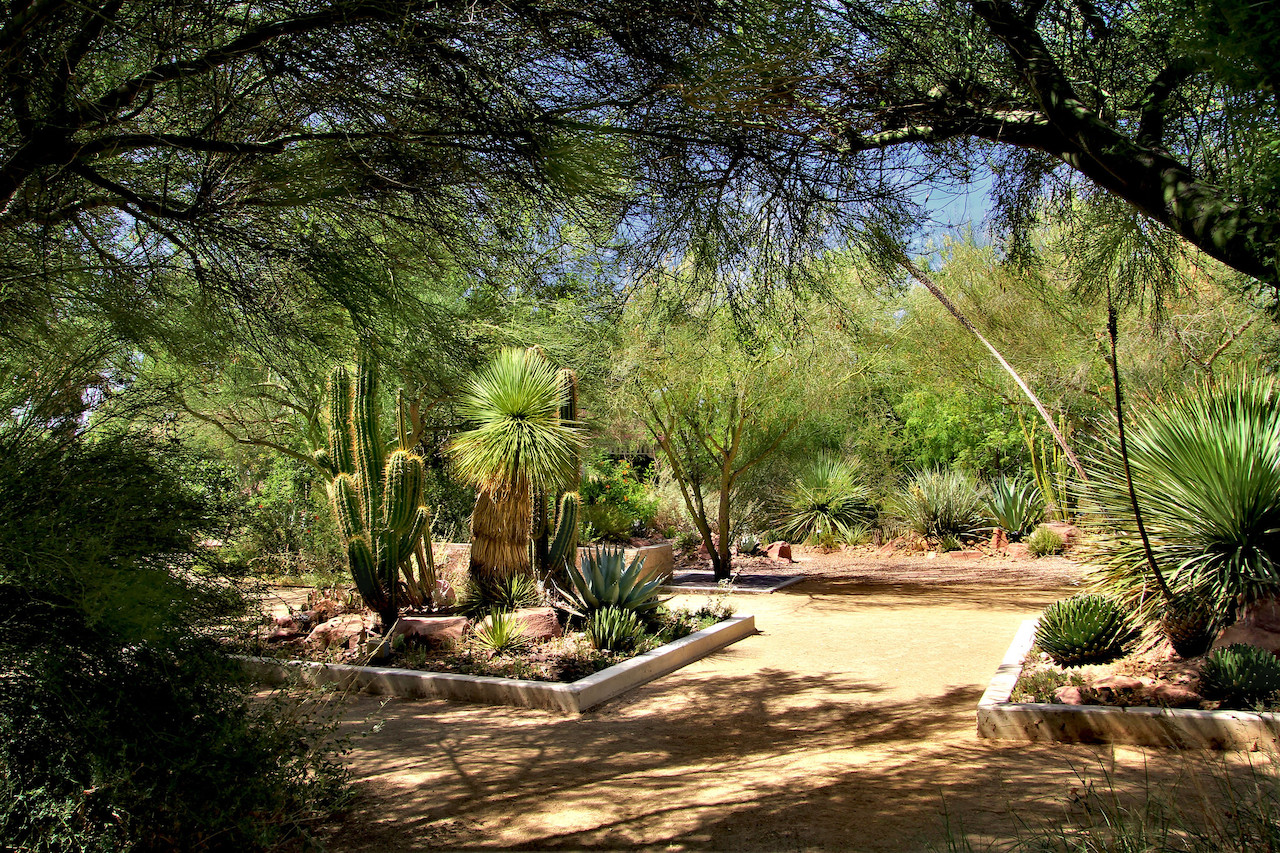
x,y
500,528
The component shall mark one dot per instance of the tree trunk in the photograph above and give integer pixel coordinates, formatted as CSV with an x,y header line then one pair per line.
x,y
500,527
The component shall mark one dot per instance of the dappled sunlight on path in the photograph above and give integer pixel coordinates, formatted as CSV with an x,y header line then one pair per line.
x,y
846,725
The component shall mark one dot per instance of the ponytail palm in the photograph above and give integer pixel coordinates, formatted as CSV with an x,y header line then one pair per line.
x,y
520,443
1206,469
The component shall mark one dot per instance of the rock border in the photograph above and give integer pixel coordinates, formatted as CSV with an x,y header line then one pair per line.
x,y
1178,728
568,698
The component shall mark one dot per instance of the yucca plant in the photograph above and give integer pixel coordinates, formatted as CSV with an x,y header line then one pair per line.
x,y
1084,629
500,632
605,580
1206,471
521,445
481,597
942,503
1016,506
828,504
614,629
1241,674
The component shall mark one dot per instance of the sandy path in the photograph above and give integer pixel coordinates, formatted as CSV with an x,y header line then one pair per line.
x,y
846,724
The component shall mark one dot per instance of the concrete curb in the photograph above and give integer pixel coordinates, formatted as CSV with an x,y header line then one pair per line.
x,y
1180,728
571,698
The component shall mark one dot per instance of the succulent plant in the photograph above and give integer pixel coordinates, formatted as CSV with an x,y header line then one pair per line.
x,y
1044,541
605,580
1084,629
1016,506
376,497
614,629
500,632
1241,674
481,596
1190,624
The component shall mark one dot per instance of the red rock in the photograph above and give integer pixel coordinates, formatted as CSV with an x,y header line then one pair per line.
x,y
892,545
281,634
345,630
325,609
999,541
966,555
1117,682
437,630
1264,614
1069,532
779,551
1250,636
1069,695
1019,551
1173,696
540,623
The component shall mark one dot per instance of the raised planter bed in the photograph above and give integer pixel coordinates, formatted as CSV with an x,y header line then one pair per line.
x,y
568,698
1181,728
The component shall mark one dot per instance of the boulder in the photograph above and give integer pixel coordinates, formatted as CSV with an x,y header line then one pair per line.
x,y
1069,532
349,630
999,541
892,545
434,630
1069,695
1018,551
1250,636
1174,696
325,609
1118,682
779,551
540,623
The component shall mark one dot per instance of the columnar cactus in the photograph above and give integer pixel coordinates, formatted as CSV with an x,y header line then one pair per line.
x,y
376,497
555,521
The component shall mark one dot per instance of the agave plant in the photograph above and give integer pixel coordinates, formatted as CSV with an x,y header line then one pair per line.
x,y
521,444
1206,470
614,629
829,503
1241,674
500,632
1084,629
942,503
604,580
1016,506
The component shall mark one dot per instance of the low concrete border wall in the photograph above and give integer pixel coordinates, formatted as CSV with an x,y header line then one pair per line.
x,y
571,698
1181,728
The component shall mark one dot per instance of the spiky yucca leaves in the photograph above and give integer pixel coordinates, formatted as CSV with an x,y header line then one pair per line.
x,y
942,503
1241,674
482,597
614,629
521,444
827,505
501,632
604,580
1206,469
1084,629
1016,506
376,498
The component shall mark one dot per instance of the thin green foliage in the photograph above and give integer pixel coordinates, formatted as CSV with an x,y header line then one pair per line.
x,y
1044,542
1206,469
1016,506
605,579
937,503
614,629
828,504
501,632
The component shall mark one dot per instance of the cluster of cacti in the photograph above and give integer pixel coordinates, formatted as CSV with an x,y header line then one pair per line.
x,y
1084,629
1241,674
605,580
1190,625
554,536
376,497
614,629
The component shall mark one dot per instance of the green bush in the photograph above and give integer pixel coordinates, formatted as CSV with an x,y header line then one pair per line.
x,y
479,598
1206,469
828,504
941,503
615,501
1084,629
1043,541
123,724
614,629
500,632
1016,506
288,528
1240,674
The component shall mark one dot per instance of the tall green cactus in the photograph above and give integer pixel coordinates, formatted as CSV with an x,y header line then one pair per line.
x,y
376,497
555,521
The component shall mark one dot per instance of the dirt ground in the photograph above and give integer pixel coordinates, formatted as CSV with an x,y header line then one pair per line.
x,y
847,723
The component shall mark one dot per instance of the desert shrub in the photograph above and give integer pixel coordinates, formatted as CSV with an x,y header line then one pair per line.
x,y
1039,686
1043,541
1016,506
123,724
614,629
478,598
1206,469
1084,629
1241,674
828,504
287,527
500,632
941,503
604,579
615,501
